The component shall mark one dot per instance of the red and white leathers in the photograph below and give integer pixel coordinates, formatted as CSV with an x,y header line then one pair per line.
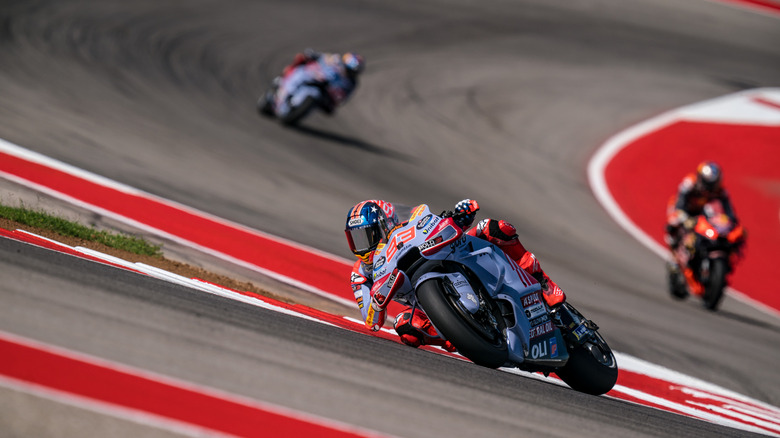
x,y
416,330
504,235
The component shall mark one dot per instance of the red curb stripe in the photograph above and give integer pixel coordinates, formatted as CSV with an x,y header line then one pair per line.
x,y
232,240
127,388
763,5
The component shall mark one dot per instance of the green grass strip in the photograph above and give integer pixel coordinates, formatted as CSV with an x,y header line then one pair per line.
x,y
40,219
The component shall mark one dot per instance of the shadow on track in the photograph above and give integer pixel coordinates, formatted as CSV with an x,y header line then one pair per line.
x,y
350,142
751,321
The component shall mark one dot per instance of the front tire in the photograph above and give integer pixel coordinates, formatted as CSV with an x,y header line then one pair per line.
x,y
296,114
677,285
483,343
713,291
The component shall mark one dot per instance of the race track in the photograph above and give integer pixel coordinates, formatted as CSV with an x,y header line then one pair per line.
x,y
504,103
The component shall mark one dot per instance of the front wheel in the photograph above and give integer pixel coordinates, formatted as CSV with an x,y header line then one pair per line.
x,y
713,291
677,285
479,336
299,112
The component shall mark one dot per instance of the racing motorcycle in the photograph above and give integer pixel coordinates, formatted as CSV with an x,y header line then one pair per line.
x,y
711,246
310,86
490,309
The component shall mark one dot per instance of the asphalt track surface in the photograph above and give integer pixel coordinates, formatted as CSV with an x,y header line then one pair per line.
x,y
502,102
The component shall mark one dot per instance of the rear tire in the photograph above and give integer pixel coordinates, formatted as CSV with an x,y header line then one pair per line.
x,y
483,344
591,368
713,291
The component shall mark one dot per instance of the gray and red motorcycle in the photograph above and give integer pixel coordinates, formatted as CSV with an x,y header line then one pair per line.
x,y
490,309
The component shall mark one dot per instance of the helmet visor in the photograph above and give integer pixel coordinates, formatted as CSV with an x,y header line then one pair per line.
x,y
363,239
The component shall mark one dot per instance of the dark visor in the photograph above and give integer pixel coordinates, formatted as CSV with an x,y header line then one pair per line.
x,y
364,239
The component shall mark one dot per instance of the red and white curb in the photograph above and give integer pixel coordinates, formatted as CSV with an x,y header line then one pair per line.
x,y
151,399
638,382
751,109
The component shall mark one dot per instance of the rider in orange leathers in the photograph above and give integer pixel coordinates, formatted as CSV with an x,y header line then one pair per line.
x,y
694,192
371,222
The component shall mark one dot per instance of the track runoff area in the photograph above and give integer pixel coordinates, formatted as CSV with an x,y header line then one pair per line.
x,y
752,118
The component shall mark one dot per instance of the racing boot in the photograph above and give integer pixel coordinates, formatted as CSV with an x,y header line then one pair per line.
x,y
416,330
504,235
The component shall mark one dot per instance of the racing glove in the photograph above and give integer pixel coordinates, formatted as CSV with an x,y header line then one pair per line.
x,y
465,212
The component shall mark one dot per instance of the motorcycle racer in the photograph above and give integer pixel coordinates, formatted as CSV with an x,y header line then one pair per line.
x,y
695,191
370,222
341,71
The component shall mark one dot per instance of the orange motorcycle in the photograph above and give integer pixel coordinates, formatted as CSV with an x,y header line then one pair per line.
x,y
711,245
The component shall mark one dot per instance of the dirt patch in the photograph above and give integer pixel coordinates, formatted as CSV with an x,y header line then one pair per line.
x,y
174,266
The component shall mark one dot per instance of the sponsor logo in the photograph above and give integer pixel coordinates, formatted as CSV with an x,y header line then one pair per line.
x,y
531,299
355,221
431,226
535,311
357,278
458,243
460,283
539,320
380,273
423,222
553,347
429,243
541,329
581,331
379,263
539,350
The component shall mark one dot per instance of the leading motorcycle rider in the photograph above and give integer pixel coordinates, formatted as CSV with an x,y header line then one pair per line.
x,y
694,192
349,65
370,222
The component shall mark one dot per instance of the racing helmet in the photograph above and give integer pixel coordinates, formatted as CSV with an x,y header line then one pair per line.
x,y
708,175
353,62
368,223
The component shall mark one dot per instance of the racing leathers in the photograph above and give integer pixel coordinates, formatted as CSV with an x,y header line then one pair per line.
x,y
689,203
415,329
683,208
341,82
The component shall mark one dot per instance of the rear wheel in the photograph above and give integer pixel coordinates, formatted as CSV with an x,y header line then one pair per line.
x,y
592,367
479,337
713,291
